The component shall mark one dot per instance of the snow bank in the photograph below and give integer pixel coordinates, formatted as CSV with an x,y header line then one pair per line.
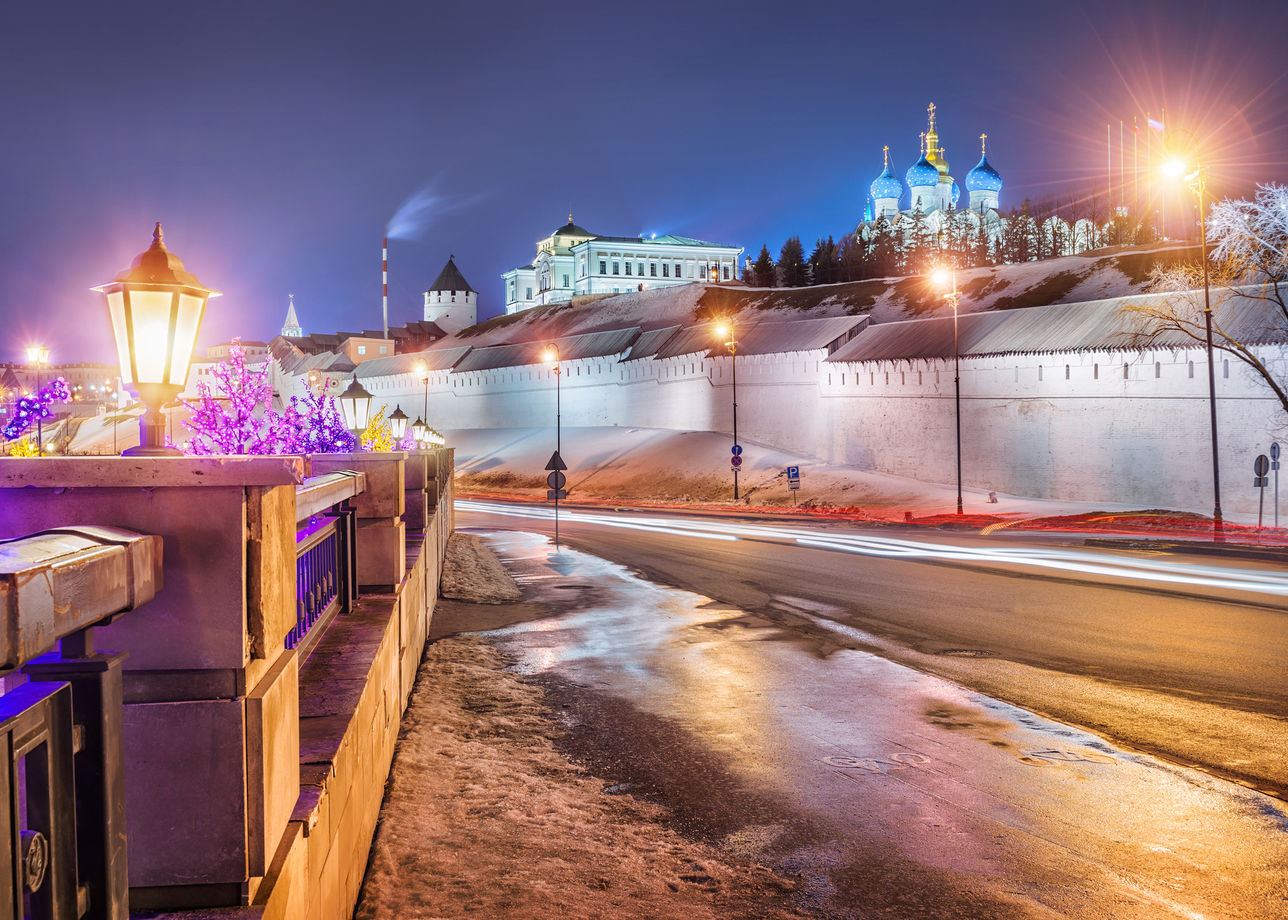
x,y
485,818
471,572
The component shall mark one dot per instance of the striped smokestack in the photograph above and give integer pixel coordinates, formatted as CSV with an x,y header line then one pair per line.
x,y
384,287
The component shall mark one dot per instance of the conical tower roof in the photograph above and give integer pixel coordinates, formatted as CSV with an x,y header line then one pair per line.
x,y
291,328
450,278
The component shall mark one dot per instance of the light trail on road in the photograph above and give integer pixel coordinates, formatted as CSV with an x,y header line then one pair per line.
x,y
1052,559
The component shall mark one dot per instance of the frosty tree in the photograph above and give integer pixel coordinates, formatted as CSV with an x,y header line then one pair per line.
x,y
1248,258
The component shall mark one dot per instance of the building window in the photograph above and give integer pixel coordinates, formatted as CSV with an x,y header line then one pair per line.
x,y
362,349
1095,372
1225,368
1039,373
1126,372
617,268
628,268
677,269
666,269
565,280
1066,372
726,273
1191,368
528,296
1158,369
652,269
603,268
384,349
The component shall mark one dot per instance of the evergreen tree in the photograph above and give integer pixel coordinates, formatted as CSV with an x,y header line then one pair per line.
x,y
762,270
824,264
792,270
884,256
853,258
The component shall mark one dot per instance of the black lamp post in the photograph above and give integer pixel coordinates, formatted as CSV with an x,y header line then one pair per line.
x,y
355,403
156,308
398,425
38,357
1196,175
947,278
724,330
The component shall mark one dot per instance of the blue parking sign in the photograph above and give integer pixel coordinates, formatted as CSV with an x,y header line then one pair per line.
x,y
793,472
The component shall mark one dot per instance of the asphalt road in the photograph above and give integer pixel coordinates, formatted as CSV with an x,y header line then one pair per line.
x,y
876,789
1183,658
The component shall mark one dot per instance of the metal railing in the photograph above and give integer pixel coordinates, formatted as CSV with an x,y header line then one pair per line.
x,y
62,789
325,555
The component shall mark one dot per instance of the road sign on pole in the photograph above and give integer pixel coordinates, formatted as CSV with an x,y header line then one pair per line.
x,y
736,461
737,450
556,462
556,480
1274,465
1261,466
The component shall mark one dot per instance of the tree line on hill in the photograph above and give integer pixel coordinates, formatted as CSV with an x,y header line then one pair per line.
x,y
910,245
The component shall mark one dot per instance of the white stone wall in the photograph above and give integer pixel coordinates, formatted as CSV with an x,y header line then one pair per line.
x,y
1092,435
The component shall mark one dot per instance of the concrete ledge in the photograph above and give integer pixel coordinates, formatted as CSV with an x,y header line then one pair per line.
x,y
144,472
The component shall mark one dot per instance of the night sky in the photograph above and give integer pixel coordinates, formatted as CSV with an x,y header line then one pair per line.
x,y
277,142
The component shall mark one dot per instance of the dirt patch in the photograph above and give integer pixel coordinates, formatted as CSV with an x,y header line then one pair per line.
x,y
1051,289
471,572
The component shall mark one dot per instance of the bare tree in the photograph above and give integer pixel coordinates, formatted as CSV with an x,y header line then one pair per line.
x,y
1248,259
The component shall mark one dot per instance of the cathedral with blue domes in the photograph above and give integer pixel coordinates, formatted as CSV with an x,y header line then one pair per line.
x,y
929,200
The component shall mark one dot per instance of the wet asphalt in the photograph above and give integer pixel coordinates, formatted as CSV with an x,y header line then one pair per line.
x,y
887,791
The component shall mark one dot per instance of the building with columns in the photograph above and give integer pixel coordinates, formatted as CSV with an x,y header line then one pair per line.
x,y
572,261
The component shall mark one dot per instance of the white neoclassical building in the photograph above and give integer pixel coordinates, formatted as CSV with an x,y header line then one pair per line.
x,y
573,261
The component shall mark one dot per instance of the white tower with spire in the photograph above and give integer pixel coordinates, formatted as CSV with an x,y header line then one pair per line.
x,y
291,328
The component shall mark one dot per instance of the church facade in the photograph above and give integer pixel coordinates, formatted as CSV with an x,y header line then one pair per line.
x,y
573,261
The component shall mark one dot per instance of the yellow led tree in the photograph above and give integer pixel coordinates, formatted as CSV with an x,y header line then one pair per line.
x,y
23,447
378,436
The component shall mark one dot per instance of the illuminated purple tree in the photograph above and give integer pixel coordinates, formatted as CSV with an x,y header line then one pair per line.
x,y
317,427
27,410
241,419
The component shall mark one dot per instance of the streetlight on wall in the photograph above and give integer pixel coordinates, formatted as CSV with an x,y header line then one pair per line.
x,y
725,333
156,308
1186,165
946,280
551,356
38,357
422,371
355,403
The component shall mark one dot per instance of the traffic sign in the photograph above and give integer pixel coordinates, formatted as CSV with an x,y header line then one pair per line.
x,y
736,461
553,494
1274,451
793,472
556,480
1261,465
556,462
737,450
794,485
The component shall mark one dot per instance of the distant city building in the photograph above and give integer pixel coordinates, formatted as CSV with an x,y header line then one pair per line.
x,y
255,351
450,303
291,328
573,261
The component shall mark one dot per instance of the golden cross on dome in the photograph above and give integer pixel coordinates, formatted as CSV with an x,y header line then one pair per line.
x,y
886,151
983,145
931,110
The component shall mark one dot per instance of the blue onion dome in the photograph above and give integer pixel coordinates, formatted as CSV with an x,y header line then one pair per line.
x,y
921,174
957,193
886,185
983,178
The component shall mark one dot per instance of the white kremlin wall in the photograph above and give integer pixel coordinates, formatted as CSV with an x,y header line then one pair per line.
x,y
1062,426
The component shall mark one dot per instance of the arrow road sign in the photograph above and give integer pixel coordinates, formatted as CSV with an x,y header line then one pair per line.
x,y
556,462
556,480
1274,451
737,450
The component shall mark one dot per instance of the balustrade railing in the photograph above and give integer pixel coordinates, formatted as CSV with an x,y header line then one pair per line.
x,y
325,556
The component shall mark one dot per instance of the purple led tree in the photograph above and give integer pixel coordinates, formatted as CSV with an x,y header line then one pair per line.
x,y
241,420
27,409
317,427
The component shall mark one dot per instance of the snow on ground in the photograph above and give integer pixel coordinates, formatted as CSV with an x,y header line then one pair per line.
x,y
485,818
471,572
661,465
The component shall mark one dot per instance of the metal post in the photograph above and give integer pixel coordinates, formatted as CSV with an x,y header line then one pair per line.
x,y
957,393
1218,528
558,439
733,351
40,427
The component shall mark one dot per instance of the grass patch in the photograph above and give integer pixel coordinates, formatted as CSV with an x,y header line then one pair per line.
x,y
1048,291
1137,265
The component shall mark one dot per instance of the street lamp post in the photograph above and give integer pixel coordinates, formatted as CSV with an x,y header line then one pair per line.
x,y
398,425
422,371
38,357
551,356
1197,178
726,333
947,278
156,308
355,403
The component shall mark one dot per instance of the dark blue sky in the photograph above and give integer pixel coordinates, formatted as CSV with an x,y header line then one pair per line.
x,y
277,140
